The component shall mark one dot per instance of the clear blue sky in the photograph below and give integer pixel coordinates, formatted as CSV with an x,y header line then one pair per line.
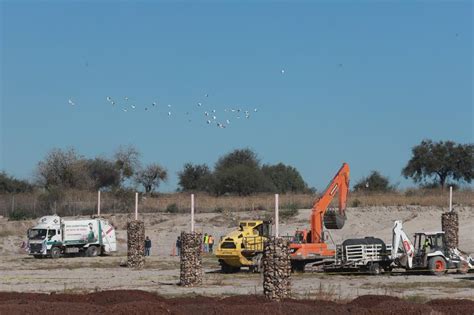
x,y
363,82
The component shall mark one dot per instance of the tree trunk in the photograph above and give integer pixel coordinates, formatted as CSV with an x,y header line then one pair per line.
x,y
442,180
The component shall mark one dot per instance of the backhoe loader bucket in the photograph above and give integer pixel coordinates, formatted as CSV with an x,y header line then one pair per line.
x,y
333,220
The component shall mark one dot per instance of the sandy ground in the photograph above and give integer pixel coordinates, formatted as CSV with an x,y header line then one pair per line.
x,y
25,274
19,272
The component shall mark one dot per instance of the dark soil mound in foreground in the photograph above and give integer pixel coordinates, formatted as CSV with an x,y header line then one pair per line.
x,y
140,302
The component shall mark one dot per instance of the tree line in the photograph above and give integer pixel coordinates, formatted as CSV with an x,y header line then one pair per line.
x,y
240,172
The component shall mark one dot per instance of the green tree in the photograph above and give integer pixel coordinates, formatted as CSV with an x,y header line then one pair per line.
x,y
103,173
238,172
238,157
151,176
195,178
440,161
243,180
374,182
9,184
284,178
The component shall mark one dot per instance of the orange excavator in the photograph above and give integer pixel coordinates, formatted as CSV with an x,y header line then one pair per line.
x,y
309,246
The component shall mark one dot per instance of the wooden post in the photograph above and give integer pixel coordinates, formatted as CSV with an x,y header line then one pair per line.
x,y
450,198
136,206
98,204
192,213
277,231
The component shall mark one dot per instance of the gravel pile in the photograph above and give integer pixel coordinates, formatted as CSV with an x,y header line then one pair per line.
x,y
450,226
136,244
191,260
276,269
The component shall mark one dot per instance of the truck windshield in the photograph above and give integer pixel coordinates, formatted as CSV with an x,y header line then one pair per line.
x,y
37,234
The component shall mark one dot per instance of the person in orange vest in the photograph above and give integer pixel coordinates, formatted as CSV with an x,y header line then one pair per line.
x,y
210,242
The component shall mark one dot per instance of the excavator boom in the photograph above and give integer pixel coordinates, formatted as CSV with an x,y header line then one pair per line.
x,y
320,213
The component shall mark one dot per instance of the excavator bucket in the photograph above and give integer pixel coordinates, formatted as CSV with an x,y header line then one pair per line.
x,y
333,220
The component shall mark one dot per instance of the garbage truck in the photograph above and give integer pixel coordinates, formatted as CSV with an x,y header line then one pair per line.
x,y
54,237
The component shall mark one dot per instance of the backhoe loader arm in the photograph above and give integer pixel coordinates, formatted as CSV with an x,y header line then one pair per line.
x,y
340,183
407,246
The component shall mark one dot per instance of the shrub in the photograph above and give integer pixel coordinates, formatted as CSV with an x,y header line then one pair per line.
x,y
355,203
172,208
289,211
19,215
219,210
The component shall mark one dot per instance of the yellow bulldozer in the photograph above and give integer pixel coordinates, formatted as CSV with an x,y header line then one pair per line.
x,y
244,246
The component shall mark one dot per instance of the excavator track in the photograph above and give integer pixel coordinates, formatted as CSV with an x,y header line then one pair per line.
x,y
333,220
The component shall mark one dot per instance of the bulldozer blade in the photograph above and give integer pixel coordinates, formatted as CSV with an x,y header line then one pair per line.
x,y
333,220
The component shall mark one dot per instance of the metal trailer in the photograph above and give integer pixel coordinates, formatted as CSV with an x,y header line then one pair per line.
x,y
361,255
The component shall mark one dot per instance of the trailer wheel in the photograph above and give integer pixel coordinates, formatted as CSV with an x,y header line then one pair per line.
x,y
92,251
55,252
375,269
463,267
298,266
437,266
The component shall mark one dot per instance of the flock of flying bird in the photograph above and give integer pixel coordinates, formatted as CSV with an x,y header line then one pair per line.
x,y
207,115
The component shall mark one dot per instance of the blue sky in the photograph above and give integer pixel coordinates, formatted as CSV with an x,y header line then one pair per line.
x,y
363,82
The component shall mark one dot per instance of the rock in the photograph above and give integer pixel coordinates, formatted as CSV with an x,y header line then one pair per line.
x,y
450,226
191,260
136,244
276,269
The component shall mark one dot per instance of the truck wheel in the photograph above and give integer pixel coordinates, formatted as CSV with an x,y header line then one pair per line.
x,y
55,252
226,268
92,251
375,269
258,264
437,266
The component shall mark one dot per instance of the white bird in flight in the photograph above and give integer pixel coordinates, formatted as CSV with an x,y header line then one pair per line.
x,y
71,102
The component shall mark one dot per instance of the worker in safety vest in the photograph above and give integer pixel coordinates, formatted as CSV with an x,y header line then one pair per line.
x,y
426,244
210,242
205,242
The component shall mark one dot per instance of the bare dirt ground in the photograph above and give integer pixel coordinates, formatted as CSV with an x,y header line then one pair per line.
x,y
21,273
140,302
